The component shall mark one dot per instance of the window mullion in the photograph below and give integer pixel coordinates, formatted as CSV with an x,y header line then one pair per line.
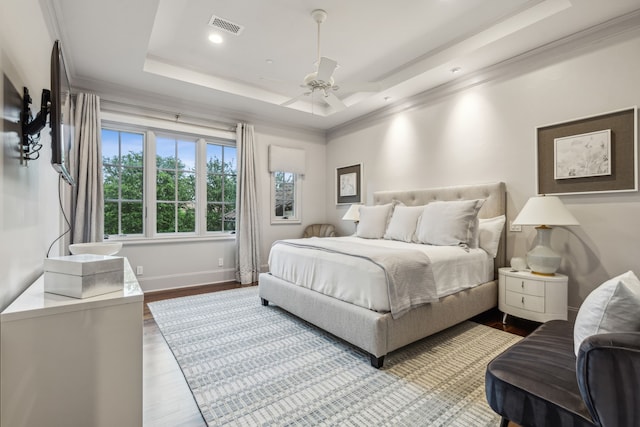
x,y
150,186
201,186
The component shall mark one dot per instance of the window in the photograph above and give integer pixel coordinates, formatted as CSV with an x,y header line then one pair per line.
x,y
123,180
286,194
175,185
221,187
160,184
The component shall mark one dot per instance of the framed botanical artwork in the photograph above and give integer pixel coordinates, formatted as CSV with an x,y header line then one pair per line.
x,y
595,154
349,184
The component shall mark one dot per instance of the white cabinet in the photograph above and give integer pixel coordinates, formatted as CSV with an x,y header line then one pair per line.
x,y
72,362
530,296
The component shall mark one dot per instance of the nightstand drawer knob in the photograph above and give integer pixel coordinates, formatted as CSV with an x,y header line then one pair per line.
x,y
522,300
522,284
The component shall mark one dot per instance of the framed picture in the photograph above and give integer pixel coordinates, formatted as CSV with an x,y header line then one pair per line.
x,y
580,156
349,184
595,154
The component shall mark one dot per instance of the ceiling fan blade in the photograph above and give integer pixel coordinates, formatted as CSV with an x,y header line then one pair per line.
x,y
334,102
294,100
361,87
326,67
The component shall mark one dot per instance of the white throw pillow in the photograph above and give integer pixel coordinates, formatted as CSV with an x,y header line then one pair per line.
x,y
614,306
489,232
373,221
403,223
449,223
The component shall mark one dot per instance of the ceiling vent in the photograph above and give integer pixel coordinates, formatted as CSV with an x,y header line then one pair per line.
x,y
225,25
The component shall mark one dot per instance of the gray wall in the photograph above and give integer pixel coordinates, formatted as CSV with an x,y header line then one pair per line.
x,y
487,133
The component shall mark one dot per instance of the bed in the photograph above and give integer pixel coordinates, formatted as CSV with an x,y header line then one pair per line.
x,y
363,320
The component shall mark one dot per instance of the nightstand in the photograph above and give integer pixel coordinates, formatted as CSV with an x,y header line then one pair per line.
x,y
532,296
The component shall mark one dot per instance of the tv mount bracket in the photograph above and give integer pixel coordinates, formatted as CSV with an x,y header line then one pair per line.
x,y
31,127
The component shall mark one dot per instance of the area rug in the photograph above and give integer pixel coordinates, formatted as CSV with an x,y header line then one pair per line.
x,y
250,365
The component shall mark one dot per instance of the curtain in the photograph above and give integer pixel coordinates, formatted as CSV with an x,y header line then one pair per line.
x,y
247,218
86,165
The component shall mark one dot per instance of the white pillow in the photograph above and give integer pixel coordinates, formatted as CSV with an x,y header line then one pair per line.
x,y
403,223
373,221
489,232
614,306
449,223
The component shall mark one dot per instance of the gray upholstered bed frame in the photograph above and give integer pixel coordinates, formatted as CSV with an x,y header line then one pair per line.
x,y
378,333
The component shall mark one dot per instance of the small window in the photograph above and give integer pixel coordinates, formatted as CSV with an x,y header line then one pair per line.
x,y
286,190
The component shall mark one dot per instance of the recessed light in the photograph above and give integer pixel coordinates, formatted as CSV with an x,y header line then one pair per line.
x,y
215,38
456,70
269,61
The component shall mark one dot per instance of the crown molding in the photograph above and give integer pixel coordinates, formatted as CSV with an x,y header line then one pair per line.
x,y
605,34
121,99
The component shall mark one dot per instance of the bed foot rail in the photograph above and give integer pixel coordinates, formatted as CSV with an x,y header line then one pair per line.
x,y
376,362
265,302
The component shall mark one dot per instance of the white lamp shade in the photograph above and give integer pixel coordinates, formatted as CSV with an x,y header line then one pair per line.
x,y
545,210
353,214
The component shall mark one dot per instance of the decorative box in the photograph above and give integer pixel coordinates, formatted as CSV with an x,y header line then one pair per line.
x,y
83,276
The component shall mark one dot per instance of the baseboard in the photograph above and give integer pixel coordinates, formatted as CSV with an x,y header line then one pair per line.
x,y
183,280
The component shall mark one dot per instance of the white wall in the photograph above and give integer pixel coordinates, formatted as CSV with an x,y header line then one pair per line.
x,y
171,264
29,213
487,133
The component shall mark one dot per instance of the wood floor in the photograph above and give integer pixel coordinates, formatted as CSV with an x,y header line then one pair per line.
x,y
167,400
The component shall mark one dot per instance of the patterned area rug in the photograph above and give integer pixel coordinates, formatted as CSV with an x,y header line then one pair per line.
x,y
250,365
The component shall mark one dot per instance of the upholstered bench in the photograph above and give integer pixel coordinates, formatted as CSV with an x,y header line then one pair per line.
x,y
541,382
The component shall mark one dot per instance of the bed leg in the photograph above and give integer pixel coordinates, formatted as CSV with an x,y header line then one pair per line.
x,y
265,302
376,362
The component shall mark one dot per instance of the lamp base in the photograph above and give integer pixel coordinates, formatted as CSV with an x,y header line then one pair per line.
x,y
542,259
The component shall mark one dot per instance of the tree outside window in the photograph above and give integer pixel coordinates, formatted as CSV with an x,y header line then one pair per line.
x,y
172,186
123,180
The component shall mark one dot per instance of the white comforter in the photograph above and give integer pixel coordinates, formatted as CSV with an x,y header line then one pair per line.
x,y
360,281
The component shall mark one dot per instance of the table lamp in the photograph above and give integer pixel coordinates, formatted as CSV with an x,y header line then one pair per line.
x,y
352,214
543,211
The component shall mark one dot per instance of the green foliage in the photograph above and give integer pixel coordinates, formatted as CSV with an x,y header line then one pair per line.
x,y
175,194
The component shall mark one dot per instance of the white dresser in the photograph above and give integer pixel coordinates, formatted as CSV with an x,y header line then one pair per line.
x,y
531,296
72,362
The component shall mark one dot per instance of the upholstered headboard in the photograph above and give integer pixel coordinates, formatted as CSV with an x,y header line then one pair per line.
x,y
495,204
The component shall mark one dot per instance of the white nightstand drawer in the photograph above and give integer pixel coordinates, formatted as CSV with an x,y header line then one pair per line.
x,y
525,286
525,302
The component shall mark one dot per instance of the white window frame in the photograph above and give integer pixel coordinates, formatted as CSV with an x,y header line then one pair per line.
x,y
297,201
202,136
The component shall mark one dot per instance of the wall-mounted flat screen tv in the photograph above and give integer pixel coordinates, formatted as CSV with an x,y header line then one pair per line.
x,y
61,114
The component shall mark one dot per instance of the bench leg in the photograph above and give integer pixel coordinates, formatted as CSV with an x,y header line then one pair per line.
x,y
264,302
504,422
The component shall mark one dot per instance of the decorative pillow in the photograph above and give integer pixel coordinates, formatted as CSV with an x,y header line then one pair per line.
x,y
403,223
373,221
614,306
449,223
489,232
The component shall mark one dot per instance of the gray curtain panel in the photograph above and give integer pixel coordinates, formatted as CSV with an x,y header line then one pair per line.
x,y
247,218
86,165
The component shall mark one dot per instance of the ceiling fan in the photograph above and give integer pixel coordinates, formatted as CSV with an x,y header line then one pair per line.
x,y
321,80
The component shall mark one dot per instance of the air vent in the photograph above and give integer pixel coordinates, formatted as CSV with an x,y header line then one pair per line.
x,y
225,25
